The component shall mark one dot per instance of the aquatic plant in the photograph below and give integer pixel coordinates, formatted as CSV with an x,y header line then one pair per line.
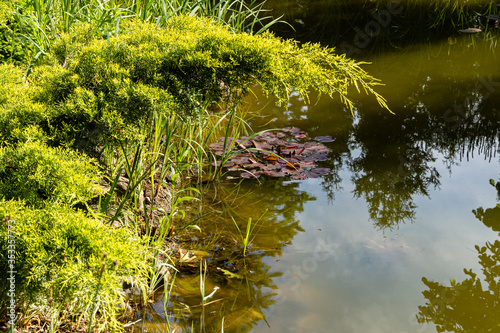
x,y
245,237
203,278
270,154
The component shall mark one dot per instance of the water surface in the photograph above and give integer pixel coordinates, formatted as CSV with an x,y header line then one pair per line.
x,y
348,252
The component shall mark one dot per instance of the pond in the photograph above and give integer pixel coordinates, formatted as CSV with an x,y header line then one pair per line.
x,y
406,203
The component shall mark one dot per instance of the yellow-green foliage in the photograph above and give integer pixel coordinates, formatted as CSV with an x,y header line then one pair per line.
x,y
5,8
100,88
13,47
39,174
94,91
20,117
59,255
58,250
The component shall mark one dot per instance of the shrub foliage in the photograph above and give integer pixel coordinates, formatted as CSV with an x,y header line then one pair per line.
x,y
98,89
39,175
63,255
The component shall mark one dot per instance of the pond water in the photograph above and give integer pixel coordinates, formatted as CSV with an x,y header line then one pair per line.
x,y
349,252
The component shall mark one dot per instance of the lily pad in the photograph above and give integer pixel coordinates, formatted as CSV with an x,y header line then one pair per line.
x,y
324,139
274,154
321,171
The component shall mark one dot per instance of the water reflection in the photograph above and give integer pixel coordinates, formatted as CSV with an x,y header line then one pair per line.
x,y
468,306
445,98
361,26
247,286
274,203
451,114
390,172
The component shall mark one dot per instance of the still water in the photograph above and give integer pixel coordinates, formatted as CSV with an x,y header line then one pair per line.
x,y
350,252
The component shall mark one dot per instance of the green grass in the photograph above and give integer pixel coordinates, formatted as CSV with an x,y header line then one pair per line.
x,y
245,237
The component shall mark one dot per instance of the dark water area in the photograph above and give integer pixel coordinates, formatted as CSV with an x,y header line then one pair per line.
x,y
402,236
359,27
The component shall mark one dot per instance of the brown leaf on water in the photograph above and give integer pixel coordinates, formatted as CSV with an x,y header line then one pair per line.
x,y
239,145
293,130
251,175
321,171
315,158
276,142
270,166
274,174
251,166
262,145
267,135
312,174
300,151
307,164
290,159
228,164
288,152
216,146
300,176
271,158
290,166
319,157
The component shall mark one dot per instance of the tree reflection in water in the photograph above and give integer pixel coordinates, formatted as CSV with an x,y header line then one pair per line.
x,y
446,117
446,111
468,306
246,282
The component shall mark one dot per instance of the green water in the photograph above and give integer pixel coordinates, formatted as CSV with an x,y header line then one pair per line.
x,y
348,252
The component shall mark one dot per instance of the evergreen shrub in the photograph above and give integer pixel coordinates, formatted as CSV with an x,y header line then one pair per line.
x,y
13,48
99,90
20,117
37,174
64,256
